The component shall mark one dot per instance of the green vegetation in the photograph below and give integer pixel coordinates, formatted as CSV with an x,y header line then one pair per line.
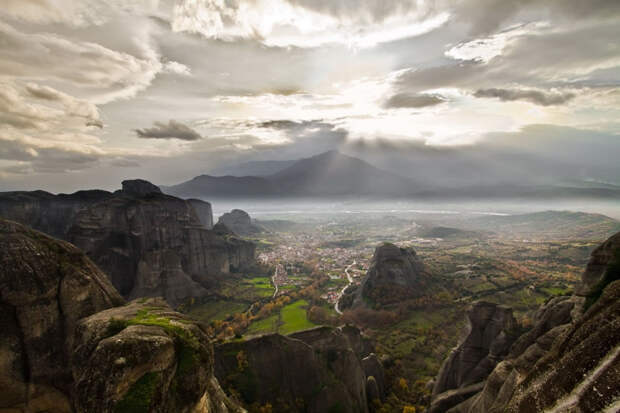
x,y
216,310
294,318
139,396
264,326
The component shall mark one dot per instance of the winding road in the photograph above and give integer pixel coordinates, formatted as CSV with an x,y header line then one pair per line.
x,y
273,281
350,279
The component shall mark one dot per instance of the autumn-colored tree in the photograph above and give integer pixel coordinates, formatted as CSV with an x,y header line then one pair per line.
x,y
408,409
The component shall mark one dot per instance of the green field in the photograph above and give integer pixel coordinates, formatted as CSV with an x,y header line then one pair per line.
x,y
290,319
293,317
216,310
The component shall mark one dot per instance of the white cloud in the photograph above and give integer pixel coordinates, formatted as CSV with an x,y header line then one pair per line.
x,y
297,23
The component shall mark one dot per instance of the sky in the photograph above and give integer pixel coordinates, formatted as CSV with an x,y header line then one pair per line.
x,y
96,91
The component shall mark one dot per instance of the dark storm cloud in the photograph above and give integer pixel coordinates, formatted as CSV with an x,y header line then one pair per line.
x,y
408,100
531,95
170,130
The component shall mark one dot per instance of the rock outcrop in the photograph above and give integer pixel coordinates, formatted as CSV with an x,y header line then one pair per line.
x,y
569,360
45,212
318,370
395,274
239,222
204,211
148,243
46,286
139,187
70,345
145,357
155,245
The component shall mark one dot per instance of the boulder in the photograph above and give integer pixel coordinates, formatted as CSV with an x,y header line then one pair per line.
x,y
145,357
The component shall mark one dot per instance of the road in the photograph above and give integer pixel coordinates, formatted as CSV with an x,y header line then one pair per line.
x,y
350,279
273,280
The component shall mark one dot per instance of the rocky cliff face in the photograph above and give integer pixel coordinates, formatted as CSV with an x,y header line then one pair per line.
x,y
239,222
46,286
203,211
569,360
52,214
492,330
69,344
319,370
148,243
155,245
395,274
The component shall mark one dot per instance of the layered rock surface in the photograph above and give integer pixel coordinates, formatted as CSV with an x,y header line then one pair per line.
x,y
46,286
569,360
69,343
148,243
395,274
319,370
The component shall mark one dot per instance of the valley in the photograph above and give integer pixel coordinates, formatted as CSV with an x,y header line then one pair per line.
x,y
309,258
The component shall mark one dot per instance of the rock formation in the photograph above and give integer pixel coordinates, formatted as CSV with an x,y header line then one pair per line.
x,y
204,211
148,243
69,344
46,286
395,274
492,330
318,370
139,187
145,357
569,360
52,214
239,222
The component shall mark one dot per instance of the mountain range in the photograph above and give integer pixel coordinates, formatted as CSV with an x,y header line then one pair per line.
x,y
334,174
327,174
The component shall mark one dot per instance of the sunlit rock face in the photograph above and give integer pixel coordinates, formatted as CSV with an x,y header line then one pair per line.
x,y
568,361
145,357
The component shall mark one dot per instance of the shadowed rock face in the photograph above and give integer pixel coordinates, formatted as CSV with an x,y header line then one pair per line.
x,y
239,222
70,345
569,360
311,371
148,243
139,187
395,274
155,245
492,330
46,286
52,214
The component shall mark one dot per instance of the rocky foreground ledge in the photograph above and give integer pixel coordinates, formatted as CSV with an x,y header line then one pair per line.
x,y
569,361
69,342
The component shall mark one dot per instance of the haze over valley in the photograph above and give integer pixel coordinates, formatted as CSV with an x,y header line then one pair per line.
x,y
309,206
